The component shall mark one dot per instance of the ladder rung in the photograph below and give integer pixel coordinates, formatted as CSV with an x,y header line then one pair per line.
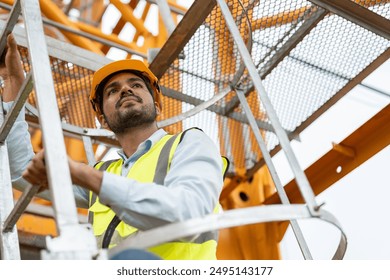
x,y
89,150
16,108
20,206
12,20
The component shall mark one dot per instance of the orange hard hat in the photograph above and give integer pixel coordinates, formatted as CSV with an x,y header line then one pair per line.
x,y
122,65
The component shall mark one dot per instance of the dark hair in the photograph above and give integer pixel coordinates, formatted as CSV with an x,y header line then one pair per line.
x,y
99,90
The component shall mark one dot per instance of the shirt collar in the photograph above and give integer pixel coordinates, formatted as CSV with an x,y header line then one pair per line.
x,y
144,146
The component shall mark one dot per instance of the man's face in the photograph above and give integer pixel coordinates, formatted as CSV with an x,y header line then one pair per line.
x,y
127,103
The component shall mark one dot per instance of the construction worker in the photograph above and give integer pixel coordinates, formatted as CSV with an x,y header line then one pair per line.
x,y
157,179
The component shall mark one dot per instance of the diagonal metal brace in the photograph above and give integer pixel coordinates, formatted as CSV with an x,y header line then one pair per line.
x,y
21,98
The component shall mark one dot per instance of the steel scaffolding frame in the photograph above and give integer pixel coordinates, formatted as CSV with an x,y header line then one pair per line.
x,y
76,241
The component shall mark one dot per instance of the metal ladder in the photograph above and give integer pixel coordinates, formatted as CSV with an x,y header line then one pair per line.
x,y
74,241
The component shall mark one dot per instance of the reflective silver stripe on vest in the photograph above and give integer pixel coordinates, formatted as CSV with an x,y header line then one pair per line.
x,y
90,214
163,161
103,167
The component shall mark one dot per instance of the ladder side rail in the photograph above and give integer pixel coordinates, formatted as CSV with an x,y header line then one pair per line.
x,y
9,241
55,154
300,177
5,128
75,241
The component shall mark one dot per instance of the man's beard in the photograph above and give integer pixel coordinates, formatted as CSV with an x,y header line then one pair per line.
x,y
130,118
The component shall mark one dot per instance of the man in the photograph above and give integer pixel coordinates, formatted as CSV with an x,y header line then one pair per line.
x,y
158,178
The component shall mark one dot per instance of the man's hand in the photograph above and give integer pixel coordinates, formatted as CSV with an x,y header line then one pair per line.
x,y
35,172
81,174
12,71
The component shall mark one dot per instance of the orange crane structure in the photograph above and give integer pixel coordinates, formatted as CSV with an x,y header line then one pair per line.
x,y
252,74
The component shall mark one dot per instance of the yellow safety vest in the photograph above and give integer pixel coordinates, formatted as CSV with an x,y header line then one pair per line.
x,y
158,158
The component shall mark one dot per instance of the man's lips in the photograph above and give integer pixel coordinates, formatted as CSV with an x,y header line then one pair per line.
x,y
129,99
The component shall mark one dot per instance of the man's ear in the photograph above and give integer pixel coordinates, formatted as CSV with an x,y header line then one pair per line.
x,y
103,122
158,109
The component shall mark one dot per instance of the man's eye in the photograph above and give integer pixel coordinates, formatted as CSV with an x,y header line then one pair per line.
x,y
111,91
137,85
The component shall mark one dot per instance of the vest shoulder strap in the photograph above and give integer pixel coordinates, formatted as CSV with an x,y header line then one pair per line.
x,y
225,160
188,129
105,164
163,162
102,167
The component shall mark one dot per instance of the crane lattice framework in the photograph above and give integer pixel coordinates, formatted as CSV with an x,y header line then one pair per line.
x,y
251,74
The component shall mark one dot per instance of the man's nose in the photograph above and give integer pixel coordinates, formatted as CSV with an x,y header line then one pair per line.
x,y
125,90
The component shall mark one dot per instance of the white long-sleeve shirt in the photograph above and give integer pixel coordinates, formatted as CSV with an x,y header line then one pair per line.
x,y
191,188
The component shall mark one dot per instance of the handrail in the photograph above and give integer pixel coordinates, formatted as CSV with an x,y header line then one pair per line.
x,y
227,219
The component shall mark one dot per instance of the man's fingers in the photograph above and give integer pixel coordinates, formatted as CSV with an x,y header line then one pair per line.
x,y
35,172
38,162
13,63
11,42
33,179
12,46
